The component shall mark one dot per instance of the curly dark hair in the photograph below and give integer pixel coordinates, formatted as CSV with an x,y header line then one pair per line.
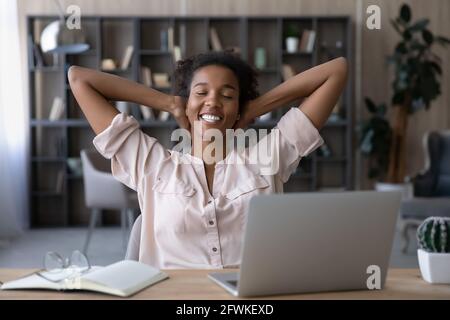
x,y
245,74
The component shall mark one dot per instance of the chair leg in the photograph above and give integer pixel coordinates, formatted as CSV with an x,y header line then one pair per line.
x,y
95,213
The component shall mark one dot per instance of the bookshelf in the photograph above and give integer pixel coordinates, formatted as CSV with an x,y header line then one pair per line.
x,y
56,187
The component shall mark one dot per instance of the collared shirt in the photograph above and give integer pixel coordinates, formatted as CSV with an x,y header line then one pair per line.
x,y
183,224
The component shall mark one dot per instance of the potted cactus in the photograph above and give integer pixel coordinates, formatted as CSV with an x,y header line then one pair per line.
x,y
433,237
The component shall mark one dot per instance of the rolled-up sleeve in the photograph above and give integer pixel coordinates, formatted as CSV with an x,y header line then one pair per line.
x,y
133,153
298,138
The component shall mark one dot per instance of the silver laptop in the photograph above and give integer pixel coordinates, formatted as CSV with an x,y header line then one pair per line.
x,y
314,242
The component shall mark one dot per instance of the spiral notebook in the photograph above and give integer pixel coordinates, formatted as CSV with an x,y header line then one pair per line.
x,y
123,278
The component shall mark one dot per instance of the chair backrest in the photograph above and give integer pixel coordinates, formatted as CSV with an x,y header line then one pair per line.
x,y
437,149
135,240
101,190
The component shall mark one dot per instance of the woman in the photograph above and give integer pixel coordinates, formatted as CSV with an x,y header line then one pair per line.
x,y
193,211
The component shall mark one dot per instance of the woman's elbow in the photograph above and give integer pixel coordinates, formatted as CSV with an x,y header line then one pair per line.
x,y
73,74
341,67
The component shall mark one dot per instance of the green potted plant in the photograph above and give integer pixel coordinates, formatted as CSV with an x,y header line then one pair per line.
x,y
433,237
291,36
416,84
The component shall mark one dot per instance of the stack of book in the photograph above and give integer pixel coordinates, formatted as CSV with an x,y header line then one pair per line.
x,y
57,110
307,41
126,60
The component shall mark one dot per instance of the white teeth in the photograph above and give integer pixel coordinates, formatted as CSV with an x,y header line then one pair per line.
x,y
210,117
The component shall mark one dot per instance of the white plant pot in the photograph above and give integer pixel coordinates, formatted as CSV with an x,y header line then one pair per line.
x,y
405,188
435,267
291,44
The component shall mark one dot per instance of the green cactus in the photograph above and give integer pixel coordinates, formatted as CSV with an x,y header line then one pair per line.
x,y
433,235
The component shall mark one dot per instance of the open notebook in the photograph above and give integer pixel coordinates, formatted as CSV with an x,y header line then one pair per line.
x,y
122,278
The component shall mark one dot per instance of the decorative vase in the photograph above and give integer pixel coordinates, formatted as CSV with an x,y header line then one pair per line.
x,y
434,266
291,44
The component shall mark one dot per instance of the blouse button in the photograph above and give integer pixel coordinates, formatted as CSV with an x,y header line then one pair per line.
x,y
209,201
211,222
214,249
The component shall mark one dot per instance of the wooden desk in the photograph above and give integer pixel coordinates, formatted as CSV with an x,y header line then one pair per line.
x,y
193,284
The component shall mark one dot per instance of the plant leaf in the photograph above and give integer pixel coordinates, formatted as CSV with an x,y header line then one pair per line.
x,y
401,48
419,25
396,26
382,109
398,98
405,13
436,67
427,36
407,35
370,105
442,40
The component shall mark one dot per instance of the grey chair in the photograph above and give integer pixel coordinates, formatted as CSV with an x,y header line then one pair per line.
x,y
431,186
103,191
135,240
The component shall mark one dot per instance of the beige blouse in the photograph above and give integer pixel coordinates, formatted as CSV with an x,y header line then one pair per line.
x,y
183,225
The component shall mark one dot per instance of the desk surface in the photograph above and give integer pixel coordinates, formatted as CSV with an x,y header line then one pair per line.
x,y
194,284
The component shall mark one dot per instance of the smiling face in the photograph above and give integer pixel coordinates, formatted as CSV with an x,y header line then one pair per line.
x,y
213,98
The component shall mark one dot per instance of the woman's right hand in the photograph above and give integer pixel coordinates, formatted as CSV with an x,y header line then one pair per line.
x,y
178,110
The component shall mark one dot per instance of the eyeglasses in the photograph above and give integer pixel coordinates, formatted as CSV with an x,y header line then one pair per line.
x,y
57,268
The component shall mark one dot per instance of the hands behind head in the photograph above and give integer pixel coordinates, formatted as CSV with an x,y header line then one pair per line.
x,y
245,117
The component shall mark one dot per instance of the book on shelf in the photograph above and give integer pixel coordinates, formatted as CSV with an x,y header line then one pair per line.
x,y
163,34
60,181
161,80
287,71
123,279
216,45
311,41
170,39
182,38
307,41
126,60
303,41
176,53
57,110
